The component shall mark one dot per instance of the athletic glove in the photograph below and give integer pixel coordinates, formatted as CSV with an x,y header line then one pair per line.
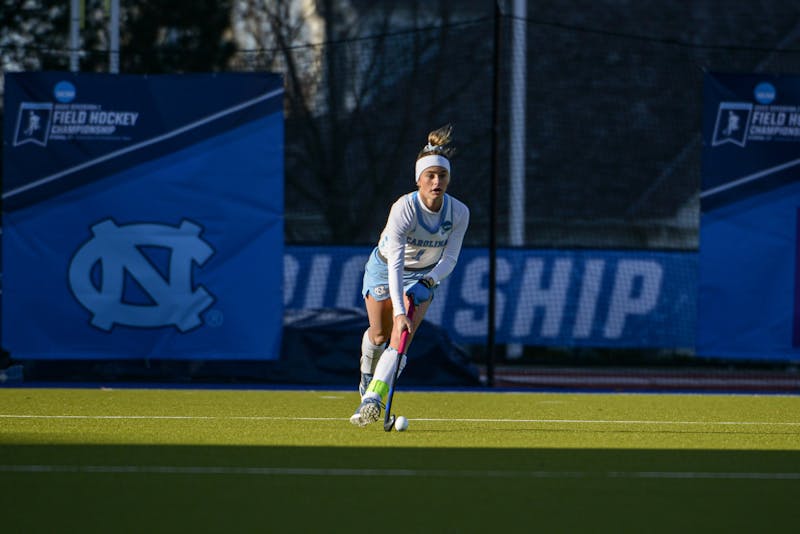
x,y
421,291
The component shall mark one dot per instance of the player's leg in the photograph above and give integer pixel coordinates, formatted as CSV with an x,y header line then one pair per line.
x,y
375,290
373,342
383,378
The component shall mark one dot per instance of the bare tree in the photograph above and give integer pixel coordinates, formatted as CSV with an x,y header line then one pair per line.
x,y
363,88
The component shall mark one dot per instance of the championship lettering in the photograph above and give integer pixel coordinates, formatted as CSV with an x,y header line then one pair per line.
x,y
570,297
116,118
769,118
103,118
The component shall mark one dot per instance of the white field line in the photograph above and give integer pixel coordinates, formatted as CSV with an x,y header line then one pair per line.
x,y
335,472
427,419
653,380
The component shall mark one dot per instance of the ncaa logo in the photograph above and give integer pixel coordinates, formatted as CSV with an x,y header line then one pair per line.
x,y
100,270
765,93
64,92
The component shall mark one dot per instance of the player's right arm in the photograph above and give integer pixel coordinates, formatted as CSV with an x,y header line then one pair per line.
x,y
392,246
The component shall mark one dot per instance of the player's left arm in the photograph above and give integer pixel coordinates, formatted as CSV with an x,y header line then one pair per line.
x,y
452,250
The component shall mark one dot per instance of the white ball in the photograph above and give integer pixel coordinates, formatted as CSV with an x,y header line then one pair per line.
x,y
401,423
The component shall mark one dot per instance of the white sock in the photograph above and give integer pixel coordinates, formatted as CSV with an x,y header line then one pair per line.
x,y
370,353
384,374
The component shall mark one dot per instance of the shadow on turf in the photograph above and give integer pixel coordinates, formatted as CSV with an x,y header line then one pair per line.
x,y
584,460
118,488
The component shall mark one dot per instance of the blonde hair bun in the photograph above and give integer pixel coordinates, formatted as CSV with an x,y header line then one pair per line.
x,y
437,141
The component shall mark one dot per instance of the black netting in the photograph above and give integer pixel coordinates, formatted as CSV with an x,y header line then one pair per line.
x,y
612,102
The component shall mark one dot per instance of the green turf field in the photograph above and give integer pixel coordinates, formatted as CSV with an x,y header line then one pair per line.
x,y
125,460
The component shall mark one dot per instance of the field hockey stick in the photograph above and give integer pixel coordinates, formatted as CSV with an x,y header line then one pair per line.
x,y
388,418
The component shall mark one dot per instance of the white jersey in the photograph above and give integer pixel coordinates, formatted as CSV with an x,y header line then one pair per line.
x,y
418,239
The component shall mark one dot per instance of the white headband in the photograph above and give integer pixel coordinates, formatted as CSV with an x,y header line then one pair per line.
x,y
431,160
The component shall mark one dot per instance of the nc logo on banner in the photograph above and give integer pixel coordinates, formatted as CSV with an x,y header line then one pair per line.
x,y
33,123
733,120
117,252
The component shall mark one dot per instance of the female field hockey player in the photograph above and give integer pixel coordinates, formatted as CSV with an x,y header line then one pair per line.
x,y
418,248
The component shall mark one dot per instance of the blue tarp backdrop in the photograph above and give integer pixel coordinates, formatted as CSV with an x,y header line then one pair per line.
x,y
128,232
748,293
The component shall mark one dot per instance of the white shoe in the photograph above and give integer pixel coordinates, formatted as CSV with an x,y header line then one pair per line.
x,y
367,412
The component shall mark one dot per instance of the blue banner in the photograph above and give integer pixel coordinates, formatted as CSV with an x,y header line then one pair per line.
x,y
143,216
748,294
544,297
